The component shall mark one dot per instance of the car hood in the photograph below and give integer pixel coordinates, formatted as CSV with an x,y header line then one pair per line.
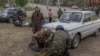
x,y
67,26
3,14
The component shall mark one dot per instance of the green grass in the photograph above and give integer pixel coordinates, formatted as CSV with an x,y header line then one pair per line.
x,y
1,8
6,26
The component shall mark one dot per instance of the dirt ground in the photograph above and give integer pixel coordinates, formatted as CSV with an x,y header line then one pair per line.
x,y
89,46
14,41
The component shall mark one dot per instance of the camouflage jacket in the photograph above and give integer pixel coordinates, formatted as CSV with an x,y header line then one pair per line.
x,y
57,42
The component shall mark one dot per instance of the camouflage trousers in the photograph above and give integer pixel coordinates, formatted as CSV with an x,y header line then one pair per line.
x,y
50,52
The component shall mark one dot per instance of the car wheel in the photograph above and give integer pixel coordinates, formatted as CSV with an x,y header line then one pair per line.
x,y
97,33
75,42
10,20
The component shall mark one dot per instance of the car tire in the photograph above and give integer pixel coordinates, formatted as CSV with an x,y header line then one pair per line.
x,y
75,42
9,20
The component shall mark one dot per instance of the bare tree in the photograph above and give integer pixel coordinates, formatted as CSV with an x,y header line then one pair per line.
x,y
8,2
58,3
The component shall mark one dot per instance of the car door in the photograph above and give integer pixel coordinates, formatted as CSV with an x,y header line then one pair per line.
x,y
87,25
96,22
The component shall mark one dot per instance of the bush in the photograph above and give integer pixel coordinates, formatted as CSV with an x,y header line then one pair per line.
x,y
1,8
65,2
21,2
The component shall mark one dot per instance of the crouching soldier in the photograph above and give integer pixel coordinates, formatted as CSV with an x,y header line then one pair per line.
x,y
39,38
20,16
56,45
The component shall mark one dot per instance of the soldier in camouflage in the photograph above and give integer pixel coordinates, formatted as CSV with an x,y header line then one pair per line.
x,y
39,38
56,45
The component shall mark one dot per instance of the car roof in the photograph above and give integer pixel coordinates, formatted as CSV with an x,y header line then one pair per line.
x,y
6,9
85,12
11,8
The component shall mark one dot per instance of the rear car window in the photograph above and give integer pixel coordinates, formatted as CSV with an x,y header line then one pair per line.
x,y
93,17
11,11
87,18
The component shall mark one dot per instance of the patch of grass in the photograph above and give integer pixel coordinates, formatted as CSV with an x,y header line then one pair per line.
x,y
28,8
10,25
6,26
1,8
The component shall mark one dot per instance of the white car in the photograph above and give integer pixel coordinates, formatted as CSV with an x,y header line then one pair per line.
x,y
74,7
79,24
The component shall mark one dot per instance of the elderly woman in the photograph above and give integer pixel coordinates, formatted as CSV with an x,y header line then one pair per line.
x,y
36,20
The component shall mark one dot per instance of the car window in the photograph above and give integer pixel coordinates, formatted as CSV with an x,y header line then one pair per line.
x,y
93,17
11,11
71,16
5,10
87,18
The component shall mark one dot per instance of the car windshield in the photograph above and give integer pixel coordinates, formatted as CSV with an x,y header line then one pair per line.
x,y
71,17
8,11
4,11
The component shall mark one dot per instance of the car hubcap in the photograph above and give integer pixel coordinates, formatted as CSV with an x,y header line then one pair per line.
x,y
76,41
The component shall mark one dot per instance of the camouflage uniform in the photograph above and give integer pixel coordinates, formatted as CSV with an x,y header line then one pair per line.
x,y
56,45
60,12
39,39
20,16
